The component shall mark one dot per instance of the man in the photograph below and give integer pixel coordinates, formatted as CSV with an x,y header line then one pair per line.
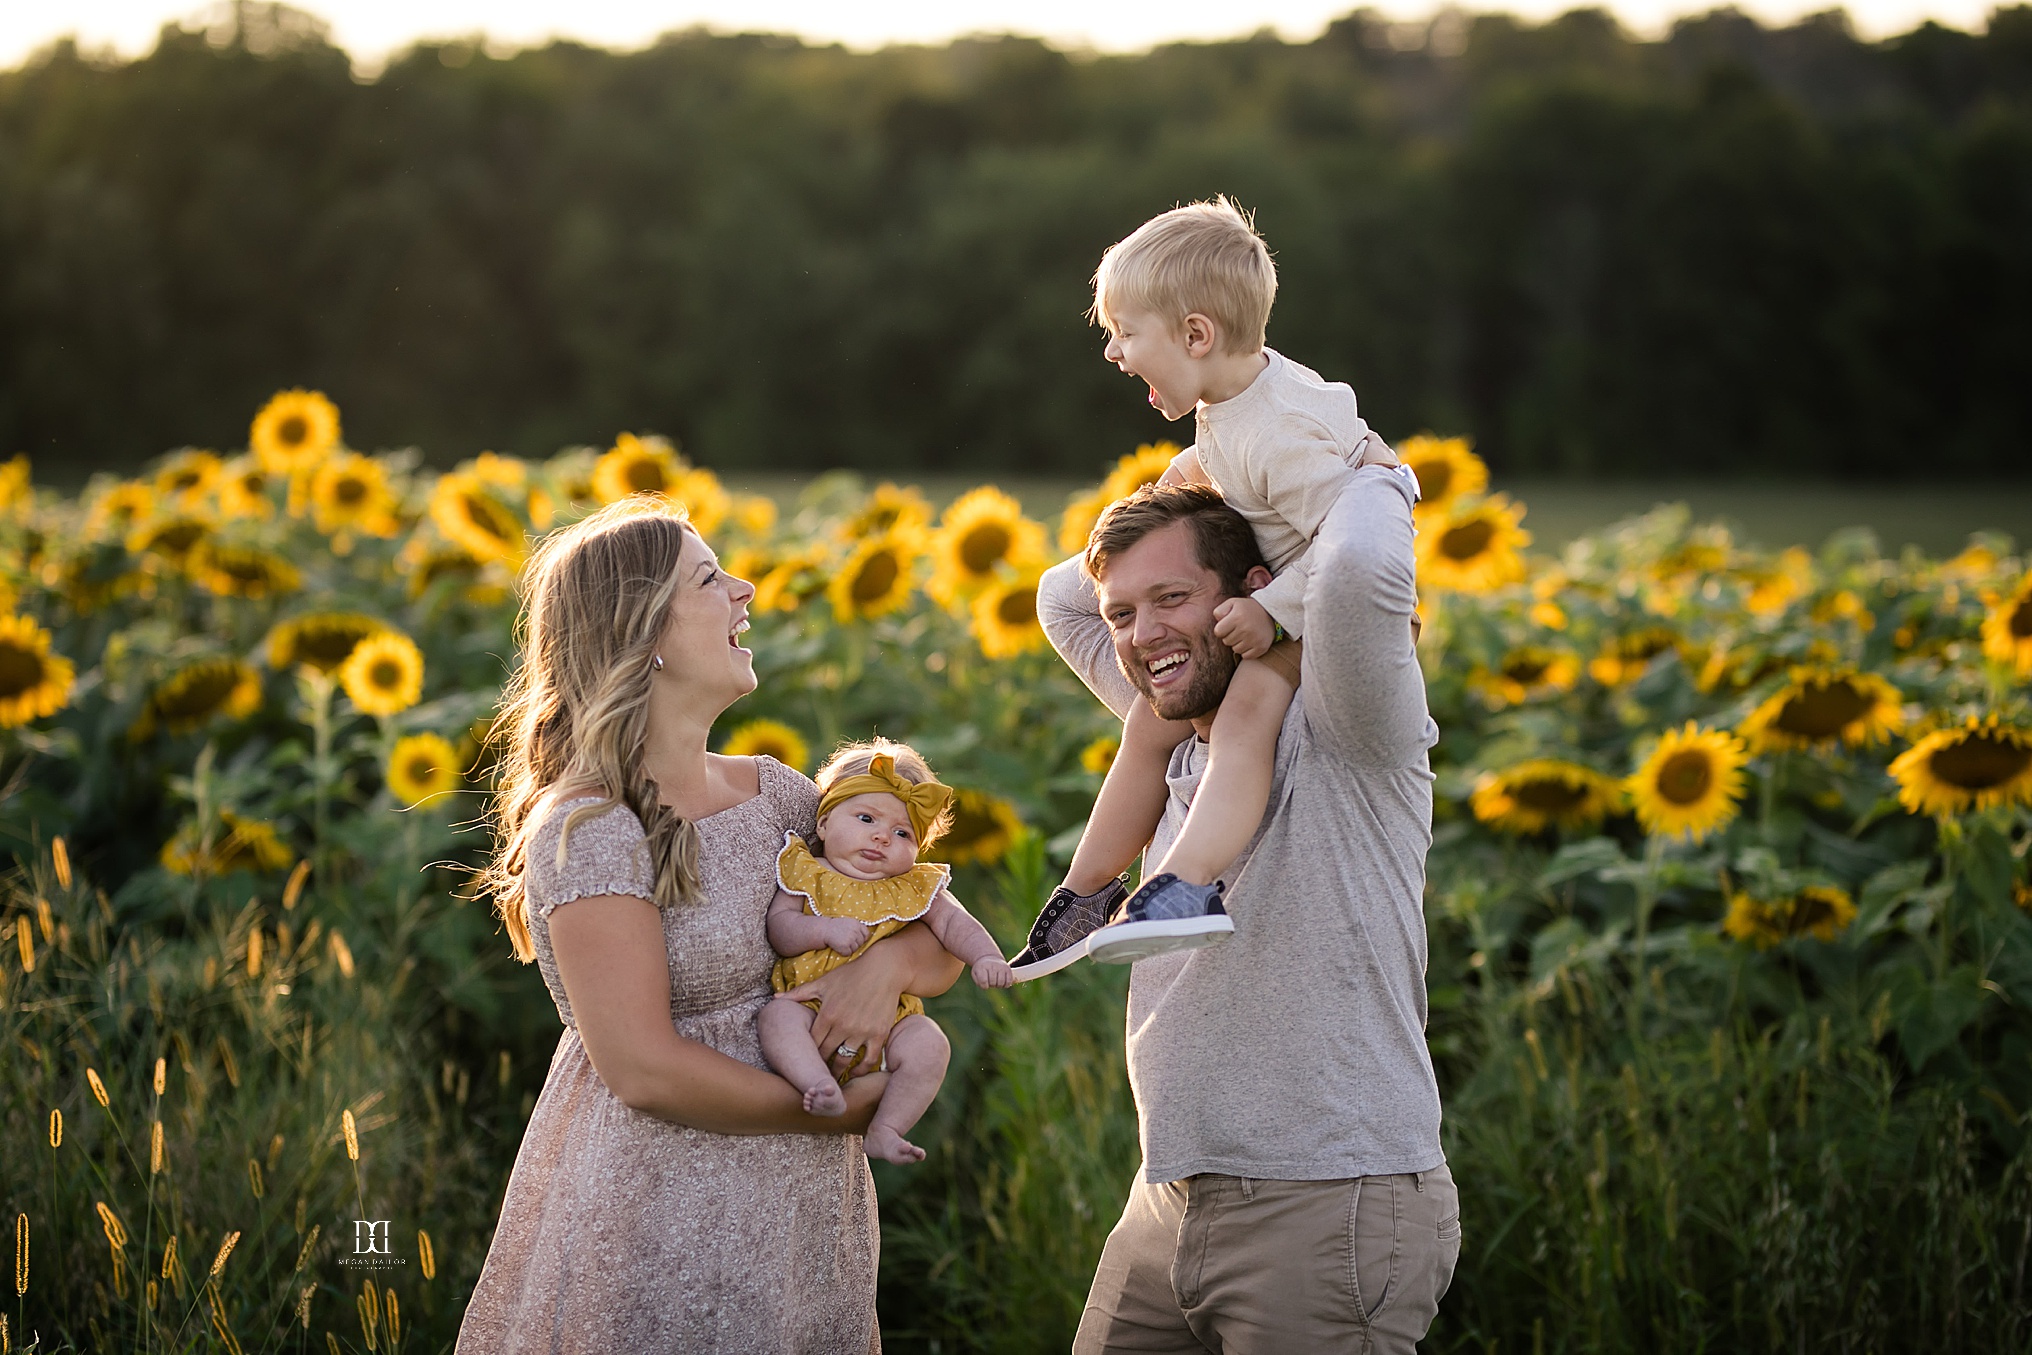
x,y
1293,1195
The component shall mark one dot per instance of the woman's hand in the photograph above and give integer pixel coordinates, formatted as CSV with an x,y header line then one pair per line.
x,y
857,1008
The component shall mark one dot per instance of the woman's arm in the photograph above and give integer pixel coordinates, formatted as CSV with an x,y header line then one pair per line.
x,y
857,1001
610,955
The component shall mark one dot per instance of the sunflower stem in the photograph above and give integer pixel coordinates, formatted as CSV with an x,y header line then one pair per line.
x,y
1647,895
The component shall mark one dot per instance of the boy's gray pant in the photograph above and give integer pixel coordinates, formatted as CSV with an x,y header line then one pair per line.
x,y
1248,1267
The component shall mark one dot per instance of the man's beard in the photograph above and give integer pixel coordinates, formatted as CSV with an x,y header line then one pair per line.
x,y
1213,668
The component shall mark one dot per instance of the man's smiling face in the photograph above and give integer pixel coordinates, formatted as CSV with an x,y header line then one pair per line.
x,y
1158,601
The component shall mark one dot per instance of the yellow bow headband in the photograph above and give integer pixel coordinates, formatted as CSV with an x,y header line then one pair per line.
x,y
924,801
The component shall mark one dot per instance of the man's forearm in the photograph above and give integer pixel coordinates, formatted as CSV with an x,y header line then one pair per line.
x,y
1070,612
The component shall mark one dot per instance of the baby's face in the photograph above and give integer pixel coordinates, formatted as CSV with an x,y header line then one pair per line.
x,y
869,837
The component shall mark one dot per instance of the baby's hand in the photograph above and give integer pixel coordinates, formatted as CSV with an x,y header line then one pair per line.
x,y
845,936
993,972
1244,626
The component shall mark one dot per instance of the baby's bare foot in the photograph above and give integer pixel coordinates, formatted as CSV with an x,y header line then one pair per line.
x,y
890,1146
826,1098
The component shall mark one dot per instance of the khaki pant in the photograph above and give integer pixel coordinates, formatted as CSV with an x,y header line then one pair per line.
x,y
1243,1267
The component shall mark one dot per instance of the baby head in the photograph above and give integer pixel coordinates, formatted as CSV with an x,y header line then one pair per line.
x,y
1204,259
879,805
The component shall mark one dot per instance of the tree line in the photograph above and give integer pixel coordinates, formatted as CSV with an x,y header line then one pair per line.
x,y
1732,250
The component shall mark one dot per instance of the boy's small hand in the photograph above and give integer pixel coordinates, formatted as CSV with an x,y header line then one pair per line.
x,y
847,935
993,972
1244,626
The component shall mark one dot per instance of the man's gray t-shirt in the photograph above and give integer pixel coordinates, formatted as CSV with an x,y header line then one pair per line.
x,y
1295,1050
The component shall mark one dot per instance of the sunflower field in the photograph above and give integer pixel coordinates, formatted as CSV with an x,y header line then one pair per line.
x,y
1731,974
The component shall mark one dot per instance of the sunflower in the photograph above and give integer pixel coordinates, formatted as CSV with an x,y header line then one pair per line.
x,y
1526,672
1144,466
422,767
2007,630
320,640
771,737
984,827
1627,657
1005,617
93,578
384,673
33,681
188,476
1819,911
197,693
509,472
14,482
1818,707
1845,605
981,534
469,514
294,431
1773,588
1977,764
169,539
788,581
238,844
1690,784
754,514
705,500
876,576
635,466
243,571
1545,793
425,566
118,507
1098,756
1076,524
1447,470
242,489
350,493
1472,548
888,507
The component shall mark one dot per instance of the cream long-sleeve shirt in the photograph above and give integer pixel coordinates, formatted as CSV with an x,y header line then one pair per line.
x,y
1280,453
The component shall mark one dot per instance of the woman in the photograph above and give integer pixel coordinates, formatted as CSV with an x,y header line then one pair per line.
x,y
670,1193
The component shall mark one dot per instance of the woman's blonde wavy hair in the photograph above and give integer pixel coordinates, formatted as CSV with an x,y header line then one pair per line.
x,y
595,597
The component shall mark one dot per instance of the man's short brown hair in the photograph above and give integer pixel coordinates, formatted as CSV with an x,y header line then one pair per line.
x,y
1222,539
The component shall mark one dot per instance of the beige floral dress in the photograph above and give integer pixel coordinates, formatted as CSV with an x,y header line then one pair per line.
x,y
621,1232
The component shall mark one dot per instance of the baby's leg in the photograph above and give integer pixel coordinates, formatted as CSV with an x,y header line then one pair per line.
x,y
1241,757
1131,800
785,1028
917,1055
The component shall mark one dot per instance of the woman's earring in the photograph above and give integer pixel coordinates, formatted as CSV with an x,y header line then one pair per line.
x,y
656,662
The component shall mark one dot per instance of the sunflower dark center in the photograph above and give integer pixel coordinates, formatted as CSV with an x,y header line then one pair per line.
x,y
1018,608
1810,910
1468,540
1526,668
1646,645
645,475
350,491
327,647
877,577
293,429
969,826
385,674
983,546
1549,797
1822,710
1433,478
1980,760
421,767
1686,776
485,515
198,694
178,537
185,480
879,519
20,670
2020,623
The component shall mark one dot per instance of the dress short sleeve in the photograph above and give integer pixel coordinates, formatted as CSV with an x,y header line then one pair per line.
x,y
792,794
608,854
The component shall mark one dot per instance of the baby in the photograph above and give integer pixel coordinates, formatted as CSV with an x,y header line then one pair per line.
x,y
1185,300
879,805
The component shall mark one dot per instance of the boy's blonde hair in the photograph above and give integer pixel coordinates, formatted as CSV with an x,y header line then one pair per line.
x,y
851,759
1204,257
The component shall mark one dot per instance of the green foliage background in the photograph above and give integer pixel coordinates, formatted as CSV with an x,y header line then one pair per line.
x,y
1731,250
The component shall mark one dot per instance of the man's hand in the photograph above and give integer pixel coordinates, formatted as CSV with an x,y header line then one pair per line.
x,y
844,935
1244,626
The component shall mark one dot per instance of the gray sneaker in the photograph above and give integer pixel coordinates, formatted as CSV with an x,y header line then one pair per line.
x,y
1059,936
1164,914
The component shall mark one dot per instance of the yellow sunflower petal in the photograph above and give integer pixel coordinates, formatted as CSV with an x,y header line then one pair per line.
x,y
1820,707
1979,764
1447,471
2007,630
294,431
1005,617
1474,547
33,681
875,579
422,767
1691,784
1545,793
384,673
770,737
981,535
